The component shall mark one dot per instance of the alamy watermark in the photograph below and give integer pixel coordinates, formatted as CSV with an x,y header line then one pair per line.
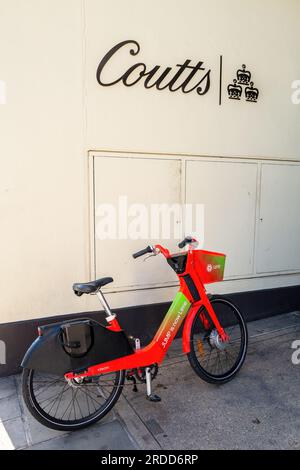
x,y
295,97
296,353
2,352
138,221
2,92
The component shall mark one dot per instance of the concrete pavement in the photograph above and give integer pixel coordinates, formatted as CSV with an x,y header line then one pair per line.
x,y
259,409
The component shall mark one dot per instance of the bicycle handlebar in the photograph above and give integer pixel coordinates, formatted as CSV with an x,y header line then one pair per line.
x,y
160,249
148,249
186,241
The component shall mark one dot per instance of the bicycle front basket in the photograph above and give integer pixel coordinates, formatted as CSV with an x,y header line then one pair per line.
x,y
209,265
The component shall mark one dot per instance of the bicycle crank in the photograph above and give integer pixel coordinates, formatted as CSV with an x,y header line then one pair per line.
x,y
144,375
140,374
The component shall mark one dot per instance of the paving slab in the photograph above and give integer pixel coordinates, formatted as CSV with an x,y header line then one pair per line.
x,y
12,435
258,409
7,387
108,436
135,425
37,433
274,326
9,408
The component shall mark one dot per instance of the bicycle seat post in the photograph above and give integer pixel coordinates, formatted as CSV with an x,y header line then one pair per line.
x,y
108,313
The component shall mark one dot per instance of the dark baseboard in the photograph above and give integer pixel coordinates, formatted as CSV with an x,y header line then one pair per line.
x,y
142,321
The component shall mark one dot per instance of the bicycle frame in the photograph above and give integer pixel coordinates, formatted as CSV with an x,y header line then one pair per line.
x,y
188,301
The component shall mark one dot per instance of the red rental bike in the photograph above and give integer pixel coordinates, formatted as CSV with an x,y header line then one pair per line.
x,y
74,372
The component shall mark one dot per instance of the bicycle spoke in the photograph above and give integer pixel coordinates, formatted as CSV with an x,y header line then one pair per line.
x,y
92,398
215,358
40,389
67,402
60,397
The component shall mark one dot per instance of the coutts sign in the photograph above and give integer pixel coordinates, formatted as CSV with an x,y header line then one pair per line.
x,y
181,77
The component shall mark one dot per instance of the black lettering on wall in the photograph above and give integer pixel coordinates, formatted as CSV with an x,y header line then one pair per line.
x,y
158,76
109,55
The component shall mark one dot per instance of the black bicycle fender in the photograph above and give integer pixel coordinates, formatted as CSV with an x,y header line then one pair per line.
x,y
47,353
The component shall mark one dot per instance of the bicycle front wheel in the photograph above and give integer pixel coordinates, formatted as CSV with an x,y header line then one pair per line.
x,y
212,359
70,405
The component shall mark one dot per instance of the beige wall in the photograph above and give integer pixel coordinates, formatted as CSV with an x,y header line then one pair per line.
x,y
264,35
42,179
56,112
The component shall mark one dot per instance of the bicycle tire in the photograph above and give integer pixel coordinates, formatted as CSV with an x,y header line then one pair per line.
x,y
34,407
201,371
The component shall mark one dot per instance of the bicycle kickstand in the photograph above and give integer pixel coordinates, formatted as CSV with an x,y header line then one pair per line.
x,y
150,396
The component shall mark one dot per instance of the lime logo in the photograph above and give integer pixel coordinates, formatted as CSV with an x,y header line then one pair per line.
x,y
210,267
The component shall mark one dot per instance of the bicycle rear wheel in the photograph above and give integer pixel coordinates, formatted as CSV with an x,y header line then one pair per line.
x,y
213,360
68,406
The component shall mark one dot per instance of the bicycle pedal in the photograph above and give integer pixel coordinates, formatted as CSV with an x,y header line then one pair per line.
x,y
153,397
132,379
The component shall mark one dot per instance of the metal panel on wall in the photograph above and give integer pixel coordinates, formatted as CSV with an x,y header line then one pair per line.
x,y
123,183
279,222
228,191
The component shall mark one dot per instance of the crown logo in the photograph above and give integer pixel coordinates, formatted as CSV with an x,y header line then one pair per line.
x,y
242,82
234,91
243,75
251,93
